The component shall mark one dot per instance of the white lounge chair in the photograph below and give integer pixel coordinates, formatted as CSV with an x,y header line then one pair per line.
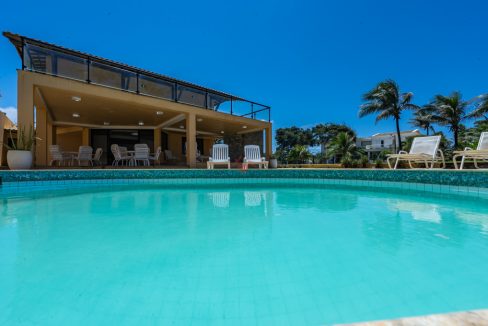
x,y
220,156
252,155
424,150
141,154
85,154
480,153
156,156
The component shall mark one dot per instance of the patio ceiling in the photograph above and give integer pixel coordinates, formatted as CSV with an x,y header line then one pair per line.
x,y
85,109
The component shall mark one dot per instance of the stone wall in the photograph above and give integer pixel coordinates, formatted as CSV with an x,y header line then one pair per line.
x,y
237,142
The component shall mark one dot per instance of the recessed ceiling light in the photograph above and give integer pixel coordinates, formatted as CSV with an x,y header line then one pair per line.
x,y
199,119
134,133
141,123
76,98
182,127
159,112
76,115
244,127
106,123
222,132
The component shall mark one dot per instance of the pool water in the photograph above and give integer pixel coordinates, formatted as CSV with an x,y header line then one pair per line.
x,y
230,255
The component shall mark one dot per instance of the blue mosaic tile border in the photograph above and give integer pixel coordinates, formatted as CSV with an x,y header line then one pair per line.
x,y
25,187
440,177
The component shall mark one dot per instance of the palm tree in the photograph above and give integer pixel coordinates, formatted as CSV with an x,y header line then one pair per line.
x,y
422,118
481,109
343,146
450,111
387,101
299,154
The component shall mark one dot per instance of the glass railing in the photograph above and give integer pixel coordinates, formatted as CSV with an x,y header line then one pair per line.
x,y
51,60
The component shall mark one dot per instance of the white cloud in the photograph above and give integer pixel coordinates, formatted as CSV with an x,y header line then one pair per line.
x,y
11,112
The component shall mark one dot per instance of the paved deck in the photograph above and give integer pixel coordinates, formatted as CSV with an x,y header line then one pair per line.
x,y
465,318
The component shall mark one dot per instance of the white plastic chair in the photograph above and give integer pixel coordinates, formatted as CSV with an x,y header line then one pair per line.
x,y
156,156
424,150
58,156
97,156
252,155
169,156
85,154
118,157
141,154
480,153
220,156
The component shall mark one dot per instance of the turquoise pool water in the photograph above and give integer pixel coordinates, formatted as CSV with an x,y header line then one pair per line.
x,y
238,255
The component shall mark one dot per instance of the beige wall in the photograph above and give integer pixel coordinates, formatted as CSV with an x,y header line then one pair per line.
x,y
69,140
176,139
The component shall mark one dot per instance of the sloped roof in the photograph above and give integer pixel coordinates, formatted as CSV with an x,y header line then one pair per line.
x,y
6,122
17,40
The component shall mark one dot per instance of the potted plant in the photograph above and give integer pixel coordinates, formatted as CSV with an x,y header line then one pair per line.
x,y
19,155
273,162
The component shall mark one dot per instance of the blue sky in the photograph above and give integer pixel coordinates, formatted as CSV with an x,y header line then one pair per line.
x,y
310,60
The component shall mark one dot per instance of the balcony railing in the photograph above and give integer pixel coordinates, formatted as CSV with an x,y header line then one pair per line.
x,y
57,61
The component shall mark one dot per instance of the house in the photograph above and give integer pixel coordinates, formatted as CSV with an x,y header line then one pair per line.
x,y
8,131
74,98
386,141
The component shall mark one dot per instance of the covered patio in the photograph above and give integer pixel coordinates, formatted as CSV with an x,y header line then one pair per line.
x,y
74,99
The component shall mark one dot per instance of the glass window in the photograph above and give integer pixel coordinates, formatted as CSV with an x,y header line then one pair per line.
x,y
218,103
38,59
156,87
191,96
105,75
55,63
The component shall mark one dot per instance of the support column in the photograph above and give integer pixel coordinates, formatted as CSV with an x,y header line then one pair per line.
x,y
41,134
50,138
269,142
85,137
25,102
2,132
191,140
157,138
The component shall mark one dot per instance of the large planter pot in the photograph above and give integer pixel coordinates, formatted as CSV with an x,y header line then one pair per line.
x,y
273,163
19,160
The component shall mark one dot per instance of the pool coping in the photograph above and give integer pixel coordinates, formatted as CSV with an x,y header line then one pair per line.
x,y
472,318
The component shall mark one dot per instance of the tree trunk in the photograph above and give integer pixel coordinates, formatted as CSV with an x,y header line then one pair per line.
x,y
455,131
397,121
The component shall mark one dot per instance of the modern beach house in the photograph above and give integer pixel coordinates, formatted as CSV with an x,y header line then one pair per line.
x,y
385,141
73,98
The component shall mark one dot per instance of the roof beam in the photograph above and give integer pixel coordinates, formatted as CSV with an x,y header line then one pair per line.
x,y
199,132
169,122
247,131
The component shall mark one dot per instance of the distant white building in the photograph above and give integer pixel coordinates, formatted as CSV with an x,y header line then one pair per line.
x,y
388,141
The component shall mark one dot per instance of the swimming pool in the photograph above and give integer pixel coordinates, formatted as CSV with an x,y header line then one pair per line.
x,y
278,252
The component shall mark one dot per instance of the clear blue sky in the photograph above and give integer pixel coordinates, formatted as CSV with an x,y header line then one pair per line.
x,y
310,60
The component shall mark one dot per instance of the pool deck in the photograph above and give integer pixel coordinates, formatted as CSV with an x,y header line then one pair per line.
x,y
465,318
